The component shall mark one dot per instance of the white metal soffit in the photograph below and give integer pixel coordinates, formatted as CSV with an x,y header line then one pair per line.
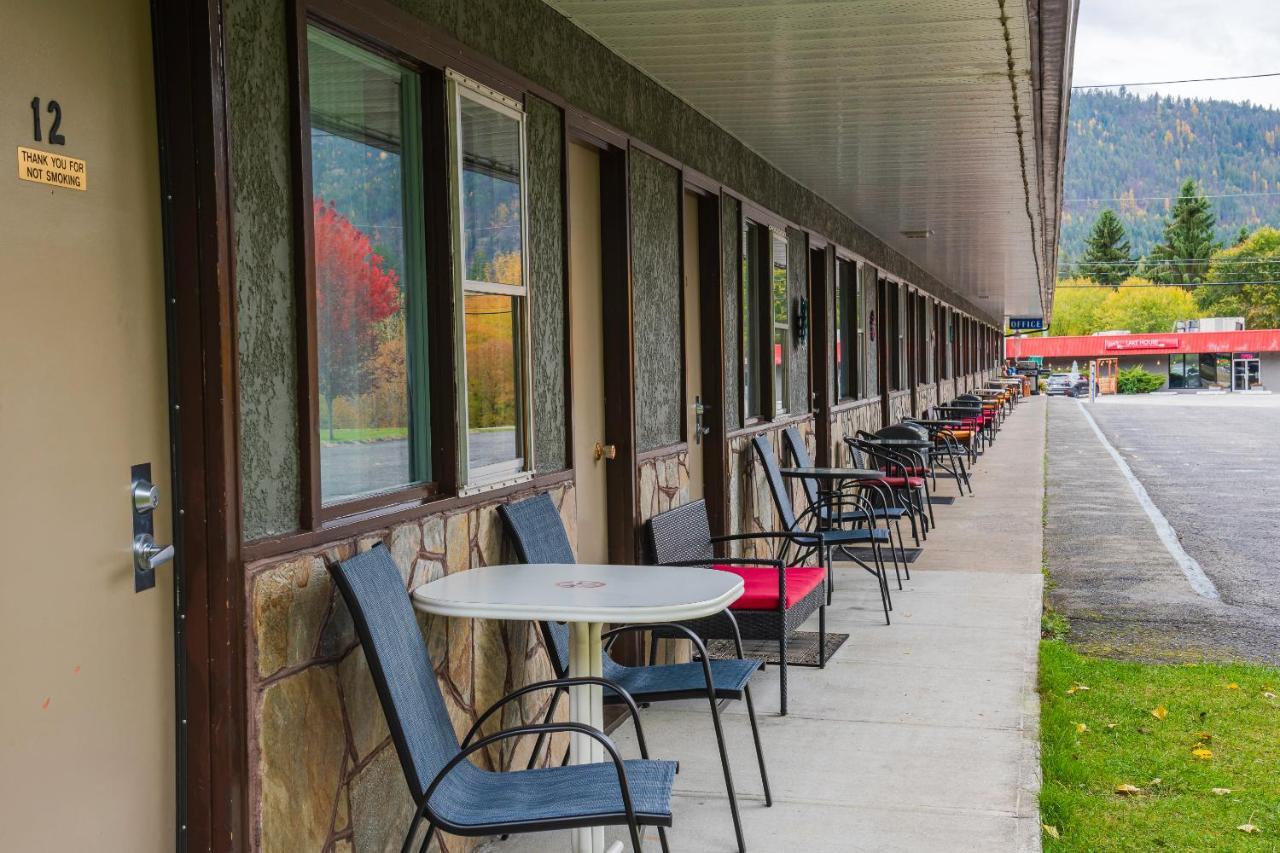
x,y
905,114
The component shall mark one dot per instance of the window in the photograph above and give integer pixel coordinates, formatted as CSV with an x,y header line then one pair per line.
x,y
368,270
488,182
848,343
752,241
780,312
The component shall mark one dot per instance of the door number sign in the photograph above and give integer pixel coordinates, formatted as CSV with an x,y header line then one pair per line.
x,y
46,167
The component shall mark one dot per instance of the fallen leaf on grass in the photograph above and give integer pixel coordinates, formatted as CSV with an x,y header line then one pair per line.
x,y
1201,752
1221,792
1160,712
1128,790
1267,694
1204,736
1233,686
1081,728
1143,730
1154,782
1051,831
1112,725
1248,828
1076,688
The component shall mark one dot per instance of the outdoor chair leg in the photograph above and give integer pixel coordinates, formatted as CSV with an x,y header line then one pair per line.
x,y
662,839
822,636
831,580
407,846
755,734
426,841
724,762
782,672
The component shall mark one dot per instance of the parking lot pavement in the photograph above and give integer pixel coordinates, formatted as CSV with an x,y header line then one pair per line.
x,y
1210,471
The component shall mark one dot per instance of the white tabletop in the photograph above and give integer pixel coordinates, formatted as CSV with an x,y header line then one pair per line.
x,y
580,593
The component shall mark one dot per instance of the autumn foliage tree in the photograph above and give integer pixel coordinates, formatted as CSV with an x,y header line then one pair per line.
x,y
355,292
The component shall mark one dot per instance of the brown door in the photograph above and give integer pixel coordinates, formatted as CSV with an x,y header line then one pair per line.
x,y
87,720
697,408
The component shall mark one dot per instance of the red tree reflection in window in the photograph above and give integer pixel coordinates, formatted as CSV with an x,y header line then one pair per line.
x,y
355,292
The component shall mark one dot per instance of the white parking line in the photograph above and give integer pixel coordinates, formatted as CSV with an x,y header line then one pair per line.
x,y
1196,577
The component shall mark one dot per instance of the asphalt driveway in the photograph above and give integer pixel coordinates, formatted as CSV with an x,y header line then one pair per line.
x,y
1210,466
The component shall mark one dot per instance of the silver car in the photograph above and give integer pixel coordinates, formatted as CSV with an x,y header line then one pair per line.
x,y
1059,383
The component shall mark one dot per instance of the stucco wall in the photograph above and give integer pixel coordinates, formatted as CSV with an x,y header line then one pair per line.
x,y
545,134
656,301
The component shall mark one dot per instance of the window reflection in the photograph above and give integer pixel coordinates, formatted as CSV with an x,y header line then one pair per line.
x,y
357,136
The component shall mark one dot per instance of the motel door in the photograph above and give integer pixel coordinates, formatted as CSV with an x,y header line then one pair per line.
x,y
87,719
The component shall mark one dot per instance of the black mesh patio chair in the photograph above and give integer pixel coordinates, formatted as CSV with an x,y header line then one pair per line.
x,y
537,534
915,463
883,506
808,535
908,490
776,601
947,455
449,791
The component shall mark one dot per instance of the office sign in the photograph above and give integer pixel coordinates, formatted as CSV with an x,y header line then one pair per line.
x,y
1026,324
1125,344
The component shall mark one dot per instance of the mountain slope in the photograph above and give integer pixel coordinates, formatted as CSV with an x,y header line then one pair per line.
x,y
1128,153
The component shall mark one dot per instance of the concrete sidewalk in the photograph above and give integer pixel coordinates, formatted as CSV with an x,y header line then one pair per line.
x,y
918,736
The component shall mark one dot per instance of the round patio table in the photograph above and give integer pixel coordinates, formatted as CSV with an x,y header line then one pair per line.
x,y
585,596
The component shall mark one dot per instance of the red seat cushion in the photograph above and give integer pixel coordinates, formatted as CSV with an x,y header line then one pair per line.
x,y
760,585
903,482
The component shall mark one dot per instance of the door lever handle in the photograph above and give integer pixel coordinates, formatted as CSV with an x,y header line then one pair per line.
x,y
147,555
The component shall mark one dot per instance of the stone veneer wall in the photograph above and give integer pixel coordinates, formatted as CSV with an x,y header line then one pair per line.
x,y
899,406
946,390
324,773
926,396
865,415
750,501
664,482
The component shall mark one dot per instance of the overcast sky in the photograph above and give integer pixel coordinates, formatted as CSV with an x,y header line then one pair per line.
x,y
1121,41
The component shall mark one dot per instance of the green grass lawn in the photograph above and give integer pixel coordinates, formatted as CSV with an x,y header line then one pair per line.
x,y
341,436
1124,743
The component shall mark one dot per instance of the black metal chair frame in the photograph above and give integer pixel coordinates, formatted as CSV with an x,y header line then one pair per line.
x,y
713,695
894,464
879,496
682,537
808,541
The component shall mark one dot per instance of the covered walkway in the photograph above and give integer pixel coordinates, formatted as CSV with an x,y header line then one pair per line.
x,y
920,735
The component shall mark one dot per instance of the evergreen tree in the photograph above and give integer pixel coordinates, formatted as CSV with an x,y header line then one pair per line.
x,y
1241,235
1183,257
1108,257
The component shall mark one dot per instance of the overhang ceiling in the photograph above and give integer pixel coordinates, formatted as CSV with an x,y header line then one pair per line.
x,y
935,116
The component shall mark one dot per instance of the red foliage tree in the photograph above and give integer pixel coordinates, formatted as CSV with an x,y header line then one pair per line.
x,y
354,293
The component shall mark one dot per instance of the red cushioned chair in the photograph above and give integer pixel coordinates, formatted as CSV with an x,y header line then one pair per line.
x,y
776,601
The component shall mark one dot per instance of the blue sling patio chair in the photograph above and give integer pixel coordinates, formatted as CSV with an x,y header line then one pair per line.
x,y
820,540
537,533
449,791
883,506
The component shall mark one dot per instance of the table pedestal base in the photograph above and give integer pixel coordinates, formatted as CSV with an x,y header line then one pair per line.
x,y
586,706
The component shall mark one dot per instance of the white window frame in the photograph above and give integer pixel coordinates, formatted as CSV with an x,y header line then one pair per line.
x,y
521,468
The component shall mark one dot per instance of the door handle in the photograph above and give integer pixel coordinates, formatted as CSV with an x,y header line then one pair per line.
x,y
604,451
148,555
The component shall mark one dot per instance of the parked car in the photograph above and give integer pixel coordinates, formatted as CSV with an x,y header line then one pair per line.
x,y
1059,383
1079,388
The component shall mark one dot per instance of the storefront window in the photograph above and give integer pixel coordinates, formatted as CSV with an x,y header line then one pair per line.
x,y
368,268
489,186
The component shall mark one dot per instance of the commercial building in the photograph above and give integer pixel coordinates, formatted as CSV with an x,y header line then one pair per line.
x,y
1236,360
333,272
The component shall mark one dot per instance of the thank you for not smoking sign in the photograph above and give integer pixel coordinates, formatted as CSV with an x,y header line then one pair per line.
x,y
55,170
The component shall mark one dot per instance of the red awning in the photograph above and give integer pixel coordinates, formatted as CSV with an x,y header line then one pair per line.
x,y
1102,346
